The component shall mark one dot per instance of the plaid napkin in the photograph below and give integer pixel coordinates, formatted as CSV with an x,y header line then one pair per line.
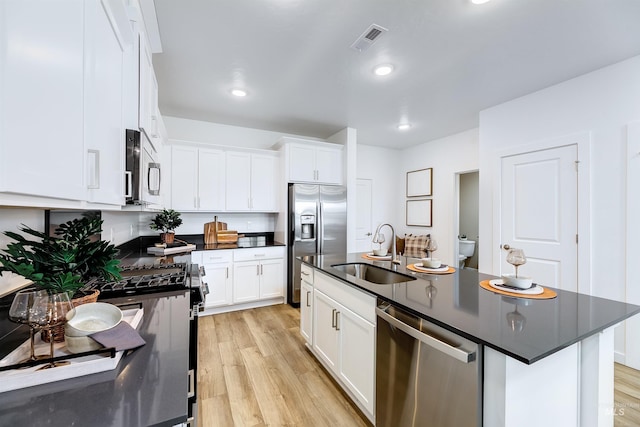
x,y
122,336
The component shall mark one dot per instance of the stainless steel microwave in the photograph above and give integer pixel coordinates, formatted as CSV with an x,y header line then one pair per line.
x,y
142,172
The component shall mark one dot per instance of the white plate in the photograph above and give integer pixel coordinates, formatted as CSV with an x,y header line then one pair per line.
x,y
419,266
371,255
534,290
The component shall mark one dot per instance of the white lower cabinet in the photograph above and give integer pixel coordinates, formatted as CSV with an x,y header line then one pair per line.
x,y
344,336
218,268
306,311
254,280
240,276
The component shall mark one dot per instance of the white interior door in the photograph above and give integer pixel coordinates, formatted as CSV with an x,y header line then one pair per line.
x,y
539,214
363,220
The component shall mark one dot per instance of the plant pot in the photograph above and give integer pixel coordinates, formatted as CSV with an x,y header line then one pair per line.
x,y
167,237
58,331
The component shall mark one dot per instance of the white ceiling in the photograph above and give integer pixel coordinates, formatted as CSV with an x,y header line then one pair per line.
x,y
452,59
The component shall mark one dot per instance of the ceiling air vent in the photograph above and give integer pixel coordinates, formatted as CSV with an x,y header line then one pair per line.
x,y
367,38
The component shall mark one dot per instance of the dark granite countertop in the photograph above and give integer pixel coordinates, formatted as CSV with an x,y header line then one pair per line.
x,y
457,302
148,387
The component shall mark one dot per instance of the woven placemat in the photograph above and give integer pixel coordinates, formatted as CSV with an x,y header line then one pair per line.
x,y
547,294
412,267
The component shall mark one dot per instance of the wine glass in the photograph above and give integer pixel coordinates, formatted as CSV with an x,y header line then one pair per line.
x,y
380,240
432,246
20,311
48,311
516,258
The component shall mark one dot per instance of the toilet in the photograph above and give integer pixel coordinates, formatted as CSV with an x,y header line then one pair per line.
x,y
465,250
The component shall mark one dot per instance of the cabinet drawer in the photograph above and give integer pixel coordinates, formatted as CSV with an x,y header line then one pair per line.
x,y
212,257
306,273
254,254
360,302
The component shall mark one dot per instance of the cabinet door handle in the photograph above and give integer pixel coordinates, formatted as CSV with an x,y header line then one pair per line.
x,y
226,272
308,293
93,164
153,179
191,392
258,269
261,269
333,318
337,323
305,273
129,187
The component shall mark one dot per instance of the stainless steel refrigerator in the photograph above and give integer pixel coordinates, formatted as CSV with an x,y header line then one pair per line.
x,y
317,225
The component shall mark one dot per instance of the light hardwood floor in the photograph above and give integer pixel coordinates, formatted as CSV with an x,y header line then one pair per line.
x,y
253,370
627,397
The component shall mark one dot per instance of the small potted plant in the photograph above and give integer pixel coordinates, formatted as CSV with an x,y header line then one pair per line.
x,y
64,262
166,222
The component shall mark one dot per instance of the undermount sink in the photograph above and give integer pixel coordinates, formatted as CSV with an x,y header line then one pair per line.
x,y
372,274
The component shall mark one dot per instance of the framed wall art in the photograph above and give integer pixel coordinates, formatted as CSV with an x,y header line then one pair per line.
x,y
419,212
420,183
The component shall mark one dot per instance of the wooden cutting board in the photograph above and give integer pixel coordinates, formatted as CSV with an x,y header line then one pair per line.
x,y
227,236
211,231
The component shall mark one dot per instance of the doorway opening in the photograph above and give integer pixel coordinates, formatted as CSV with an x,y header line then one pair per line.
x,y
468,221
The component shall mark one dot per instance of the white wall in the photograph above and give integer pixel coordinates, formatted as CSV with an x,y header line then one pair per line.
x,y
381,166
219,134
601,103
447,156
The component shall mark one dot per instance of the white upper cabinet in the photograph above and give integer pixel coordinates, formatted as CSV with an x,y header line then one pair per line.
x,y
105,49
251,182
211,179
148,93
197,179
41,100
61,103
264,183
311,161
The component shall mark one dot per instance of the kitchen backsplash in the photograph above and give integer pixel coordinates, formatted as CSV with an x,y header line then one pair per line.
x,y
120,227
12,218
193,222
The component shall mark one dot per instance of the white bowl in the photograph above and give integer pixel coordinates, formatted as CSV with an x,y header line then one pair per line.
x,y
80,344
90,318
521,282
431,262
380,252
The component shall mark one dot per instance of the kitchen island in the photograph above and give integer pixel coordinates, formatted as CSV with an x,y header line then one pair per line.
x,y
545,362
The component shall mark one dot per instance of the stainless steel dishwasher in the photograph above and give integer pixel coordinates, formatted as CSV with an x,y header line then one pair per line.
x,y
425,375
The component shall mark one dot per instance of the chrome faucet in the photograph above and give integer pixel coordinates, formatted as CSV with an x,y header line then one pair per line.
x,y
394,256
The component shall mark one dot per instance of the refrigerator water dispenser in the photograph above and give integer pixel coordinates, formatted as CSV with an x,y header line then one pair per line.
x,y
308,223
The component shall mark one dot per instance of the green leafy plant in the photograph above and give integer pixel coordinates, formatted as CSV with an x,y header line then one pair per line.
x,y
166,221
63,263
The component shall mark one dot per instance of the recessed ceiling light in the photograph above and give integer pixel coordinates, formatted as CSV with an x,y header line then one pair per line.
x,y
383,70
480,1
404,126
239,92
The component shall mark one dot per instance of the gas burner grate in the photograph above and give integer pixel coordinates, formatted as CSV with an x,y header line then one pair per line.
x,y
142,279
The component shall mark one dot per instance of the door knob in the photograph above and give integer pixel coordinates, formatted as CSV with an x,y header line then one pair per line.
x,y
505,247
368,234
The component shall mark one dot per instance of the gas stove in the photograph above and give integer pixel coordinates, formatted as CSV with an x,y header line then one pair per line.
x,y
148,279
